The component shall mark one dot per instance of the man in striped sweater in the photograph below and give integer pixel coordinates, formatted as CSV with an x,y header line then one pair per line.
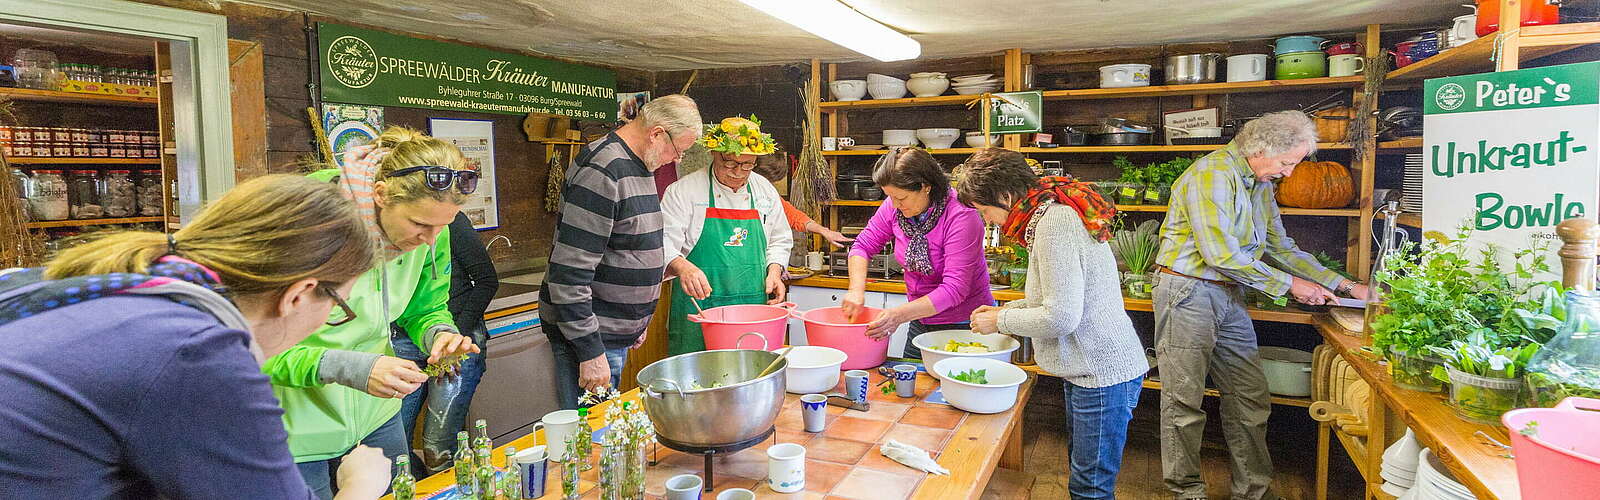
x,y
606,262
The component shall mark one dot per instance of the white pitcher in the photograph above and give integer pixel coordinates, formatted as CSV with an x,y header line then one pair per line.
x,y
1247,68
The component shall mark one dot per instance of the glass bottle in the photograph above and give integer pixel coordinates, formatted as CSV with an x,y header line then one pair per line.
x,y
119,198
47,196
1569,365
148,186
23,183
486,470
511,482
83,192
585,434
404,485
465,466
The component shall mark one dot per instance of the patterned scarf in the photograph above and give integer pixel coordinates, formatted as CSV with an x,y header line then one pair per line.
x,y
916,229
1093,209
357,175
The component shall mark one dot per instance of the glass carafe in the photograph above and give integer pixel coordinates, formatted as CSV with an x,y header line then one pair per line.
x,y
1569,365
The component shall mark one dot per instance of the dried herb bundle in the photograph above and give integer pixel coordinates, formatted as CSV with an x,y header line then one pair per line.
x,y
552,183
19,248
812,184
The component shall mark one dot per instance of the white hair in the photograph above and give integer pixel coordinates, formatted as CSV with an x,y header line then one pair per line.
x,y
1277,133
675,113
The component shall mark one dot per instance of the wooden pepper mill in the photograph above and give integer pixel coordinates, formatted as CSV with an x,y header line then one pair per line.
x,y
1577,252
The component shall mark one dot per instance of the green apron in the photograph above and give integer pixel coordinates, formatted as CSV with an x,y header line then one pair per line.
x,y
732,251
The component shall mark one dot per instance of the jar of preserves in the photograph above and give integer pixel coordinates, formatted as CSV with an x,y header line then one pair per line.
x,y
119,197
22,134
119,150
22,149
5,133
80,136
116,137
59,134
147,184
83,192
151,151
47,196
61,149
22,181
7,149
152,138
99,150
96,136
80,150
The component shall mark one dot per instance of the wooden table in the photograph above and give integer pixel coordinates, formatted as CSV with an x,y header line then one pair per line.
x,y
1481,466
843,460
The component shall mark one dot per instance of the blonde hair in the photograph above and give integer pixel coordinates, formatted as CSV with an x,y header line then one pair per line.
x,y
674,113
261,236
1277,133
410,148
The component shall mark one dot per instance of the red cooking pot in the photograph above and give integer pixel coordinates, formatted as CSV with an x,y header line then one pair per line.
x,y
1343,48
1534,12
1402,57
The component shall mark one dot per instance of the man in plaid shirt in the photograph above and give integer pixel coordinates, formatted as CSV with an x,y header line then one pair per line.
x,y
1223,232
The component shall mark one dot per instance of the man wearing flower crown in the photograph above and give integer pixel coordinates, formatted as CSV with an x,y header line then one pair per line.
x,y
726,237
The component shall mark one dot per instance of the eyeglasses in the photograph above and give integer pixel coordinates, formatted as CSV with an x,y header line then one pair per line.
x,y
678,153
439,178
344,314
739,165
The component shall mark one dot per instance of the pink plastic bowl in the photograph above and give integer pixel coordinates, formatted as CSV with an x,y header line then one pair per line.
x,y
1563,454
724,326
827,327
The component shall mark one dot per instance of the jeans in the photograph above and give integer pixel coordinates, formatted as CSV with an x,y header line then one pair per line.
x,y
916,327
567,389
389,437
1203,329
1099,419
439,429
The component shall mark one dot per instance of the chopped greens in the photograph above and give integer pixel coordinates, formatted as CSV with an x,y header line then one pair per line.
x,y
972,376
446,365
964,347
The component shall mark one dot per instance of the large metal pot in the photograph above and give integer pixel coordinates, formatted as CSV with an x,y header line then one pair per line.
x,y
1192,68
741,408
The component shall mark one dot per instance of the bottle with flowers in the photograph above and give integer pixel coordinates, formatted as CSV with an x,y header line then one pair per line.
x,y
622,449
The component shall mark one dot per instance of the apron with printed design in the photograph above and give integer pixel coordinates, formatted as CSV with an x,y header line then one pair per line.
x,y
732,252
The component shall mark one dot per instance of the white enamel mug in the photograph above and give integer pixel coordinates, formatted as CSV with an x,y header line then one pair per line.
x,y
1247,68
558,426
1346,65
786,467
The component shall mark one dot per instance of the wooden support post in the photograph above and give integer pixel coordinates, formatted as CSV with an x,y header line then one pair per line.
x,y
1510,29
1322,461
1013,82
1359,260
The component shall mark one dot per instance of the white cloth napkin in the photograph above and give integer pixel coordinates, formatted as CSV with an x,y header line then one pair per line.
x,y
912,457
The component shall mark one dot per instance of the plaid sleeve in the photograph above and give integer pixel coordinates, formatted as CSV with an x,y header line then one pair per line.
x,y
1282,250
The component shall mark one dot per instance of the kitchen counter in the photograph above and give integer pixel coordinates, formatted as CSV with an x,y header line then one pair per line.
x,y
842,460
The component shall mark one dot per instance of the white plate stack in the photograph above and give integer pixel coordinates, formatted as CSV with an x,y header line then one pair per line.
x,y
975,84
1411,195
1435,483
1400,464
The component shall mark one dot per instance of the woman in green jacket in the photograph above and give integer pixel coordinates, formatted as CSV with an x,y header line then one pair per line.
x,y
342,386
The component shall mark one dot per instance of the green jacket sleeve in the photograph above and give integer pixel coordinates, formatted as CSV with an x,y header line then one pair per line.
x,y
428,310
296,367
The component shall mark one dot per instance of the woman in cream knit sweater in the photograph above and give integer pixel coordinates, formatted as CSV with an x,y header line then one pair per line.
x,y
1072,309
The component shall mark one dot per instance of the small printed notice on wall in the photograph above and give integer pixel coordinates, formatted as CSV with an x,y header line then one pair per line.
x,y
475,138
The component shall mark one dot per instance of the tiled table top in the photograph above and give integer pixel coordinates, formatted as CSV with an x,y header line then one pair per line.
x,y
843,461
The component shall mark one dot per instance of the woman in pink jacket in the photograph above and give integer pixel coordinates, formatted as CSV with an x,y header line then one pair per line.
x,y
938,242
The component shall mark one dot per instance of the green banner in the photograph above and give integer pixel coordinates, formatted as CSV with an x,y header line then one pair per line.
x,y
1016,112
362,66
1546,87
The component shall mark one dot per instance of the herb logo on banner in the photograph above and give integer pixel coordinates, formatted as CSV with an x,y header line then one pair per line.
x,y
1512,153
353,61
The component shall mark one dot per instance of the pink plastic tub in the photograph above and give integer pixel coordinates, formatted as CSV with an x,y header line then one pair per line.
x,y
723,326
1562,457
827,327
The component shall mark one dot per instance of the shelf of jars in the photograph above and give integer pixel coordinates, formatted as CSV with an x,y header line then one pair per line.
x,y
93,222
82,161
56,96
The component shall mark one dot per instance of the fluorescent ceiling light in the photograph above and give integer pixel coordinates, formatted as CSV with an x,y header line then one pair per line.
x,y
840,24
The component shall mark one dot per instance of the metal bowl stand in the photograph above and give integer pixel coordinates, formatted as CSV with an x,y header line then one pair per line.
x,y
711,451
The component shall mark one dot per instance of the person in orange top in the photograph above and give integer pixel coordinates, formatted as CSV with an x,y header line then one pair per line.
x,y
798,220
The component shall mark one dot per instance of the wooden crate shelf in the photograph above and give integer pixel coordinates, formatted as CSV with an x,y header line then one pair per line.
x,y
93,222
32,95
1342,82
1285,316
1210,393
1477,56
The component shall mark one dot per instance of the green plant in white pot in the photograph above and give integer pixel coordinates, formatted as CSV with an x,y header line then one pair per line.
x,y
1485,380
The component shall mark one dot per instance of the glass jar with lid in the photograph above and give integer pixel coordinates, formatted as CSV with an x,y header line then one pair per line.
x,y
84,188
119,197
147,184
47,196
1569,364
21,181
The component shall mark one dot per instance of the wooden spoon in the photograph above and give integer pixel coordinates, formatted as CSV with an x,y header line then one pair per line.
x,y
774,363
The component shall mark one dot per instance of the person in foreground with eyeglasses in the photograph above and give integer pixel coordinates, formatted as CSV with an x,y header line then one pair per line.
x,y
343,385
606,261
727,239
132,366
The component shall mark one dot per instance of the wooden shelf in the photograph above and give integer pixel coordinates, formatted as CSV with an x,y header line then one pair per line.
x,y
1208,88
881,152
1318,212
905,102
1405,219
1401,146
93,222
1475,56
1284,316
84,161
32,95
1212,393
854,203
1075,149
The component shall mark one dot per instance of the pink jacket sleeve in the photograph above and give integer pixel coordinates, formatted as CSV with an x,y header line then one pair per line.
x,y
964,265
879,232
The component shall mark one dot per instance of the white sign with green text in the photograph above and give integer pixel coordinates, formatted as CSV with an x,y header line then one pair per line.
x,y
1511,153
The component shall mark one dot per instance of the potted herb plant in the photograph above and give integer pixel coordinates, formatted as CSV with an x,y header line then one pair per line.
x,y
1130,186
1159,179
1485,380
1136,249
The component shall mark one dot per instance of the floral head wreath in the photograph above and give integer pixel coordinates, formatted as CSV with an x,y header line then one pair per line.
x,y
738,136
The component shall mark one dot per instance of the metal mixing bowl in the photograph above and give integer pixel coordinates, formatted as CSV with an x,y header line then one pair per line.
x,y
739,409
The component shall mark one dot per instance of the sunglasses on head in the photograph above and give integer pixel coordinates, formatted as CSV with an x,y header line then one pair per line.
x,y
439,178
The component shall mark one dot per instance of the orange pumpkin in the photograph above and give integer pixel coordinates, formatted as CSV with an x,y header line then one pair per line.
x,y
1317,184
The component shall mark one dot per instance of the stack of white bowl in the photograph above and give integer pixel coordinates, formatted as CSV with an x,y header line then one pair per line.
x,y
1435,483
1400,464
975,84
885,86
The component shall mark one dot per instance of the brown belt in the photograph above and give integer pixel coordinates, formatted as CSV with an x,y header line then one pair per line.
x,y
1165,270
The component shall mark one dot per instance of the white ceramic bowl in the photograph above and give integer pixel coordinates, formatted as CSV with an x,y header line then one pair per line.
x,y
888,90
899,137
848,90
813,369
999,395
938,138
878,78
927,84
966,79
976,90
932,345
975,139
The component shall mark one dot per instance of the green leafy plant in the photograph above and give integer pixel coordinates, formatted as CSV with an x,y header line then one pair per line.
x,y
1135,174
1543,317
1137,248
1165,173
446,365
1333,264
1478,355
974,376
